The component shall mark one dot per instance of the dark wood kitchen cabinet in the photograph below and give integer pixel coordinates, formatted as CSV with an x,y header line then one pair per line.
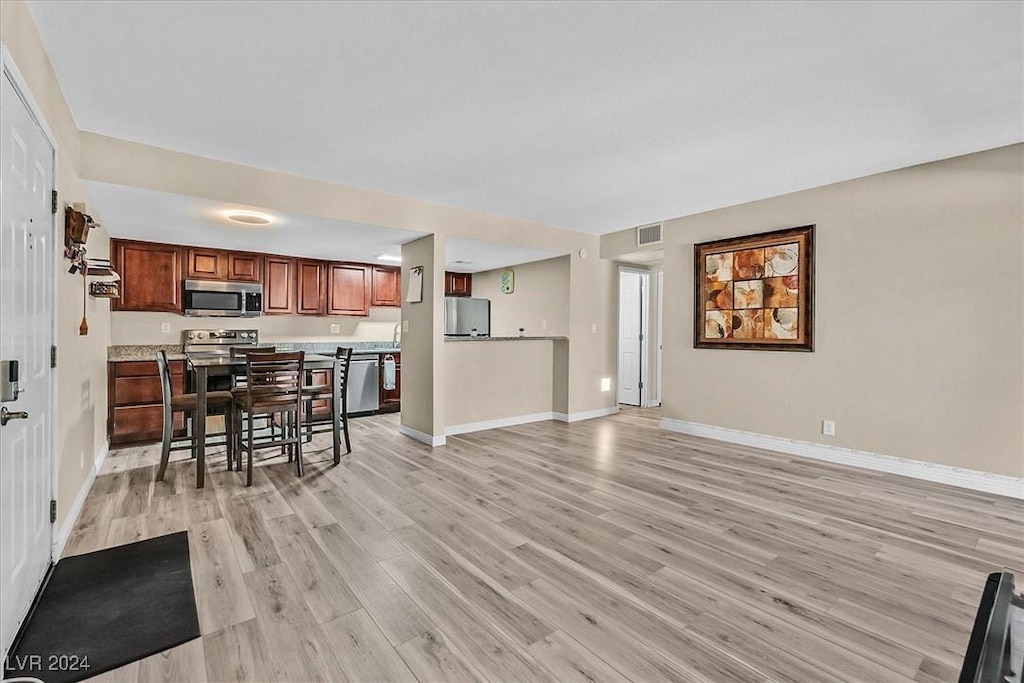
x,y
244,267
206,264
387,287
151,276
278,285
348,289
458,284
135,407
391,399
311,290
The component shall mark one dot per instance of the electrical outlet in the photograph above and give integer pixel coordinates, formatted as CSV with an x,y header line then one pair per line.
x,y
828,427
593,329
335,328
543,324
165,328
405,326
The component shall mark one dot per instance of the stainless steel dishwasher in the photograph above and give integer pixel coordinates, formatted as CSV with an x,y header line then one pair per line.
x,y
363,385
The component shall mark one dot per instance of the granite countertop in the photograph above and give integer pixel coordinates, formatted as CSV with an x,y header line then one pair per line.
x,y
493,339
143,352
130,352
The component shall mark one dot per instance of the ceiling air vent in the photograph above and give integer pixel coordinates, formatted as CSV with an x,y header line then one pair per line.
x,y
648,234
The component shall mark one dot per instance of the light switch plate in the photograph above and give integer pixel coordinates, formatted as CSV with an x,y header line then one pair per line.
x,y
335,328
593,329
543,324
828,427
405,326
165,328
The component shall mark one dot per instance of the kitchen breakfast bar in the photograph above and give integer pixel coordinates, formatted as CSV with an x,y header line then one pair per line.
x,y
499,381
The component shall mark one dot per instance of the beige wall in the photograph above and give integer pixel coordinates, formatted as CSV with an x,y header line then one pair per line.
x,y
81,371
497,379
541,295
593,304
422,360
591,354
919,318
144,328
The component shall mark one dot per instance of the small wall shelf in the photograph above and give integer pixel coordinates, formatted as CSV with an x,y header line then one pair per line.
x,y
104,290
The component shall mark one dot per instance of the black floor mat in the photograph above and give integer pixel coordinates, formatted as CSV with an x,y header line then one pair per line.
x,y
105,609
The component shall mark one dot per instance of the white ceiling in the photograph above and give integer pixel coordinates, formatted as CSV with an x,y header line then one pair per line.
x,y
134,213
591,116
473,256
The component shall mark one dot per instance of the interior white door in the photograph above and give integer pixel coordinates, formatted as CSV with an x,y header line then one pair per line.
x,y
26,334
661,310
630,339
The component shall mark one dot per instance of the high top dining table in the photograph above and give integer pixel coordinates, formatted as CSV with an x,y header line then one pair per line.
x,y
206,365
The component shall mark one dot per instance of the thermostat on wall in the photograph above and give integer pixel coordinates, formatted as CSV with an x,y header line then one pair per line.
x,y
508,281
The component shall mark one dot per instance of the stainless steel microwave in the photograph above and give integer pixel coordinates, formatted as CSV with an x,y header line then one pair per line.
x,y
206,298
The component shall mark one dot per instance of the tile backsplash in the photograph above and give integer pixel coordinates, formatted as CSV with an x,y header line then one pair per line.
x,y
383,324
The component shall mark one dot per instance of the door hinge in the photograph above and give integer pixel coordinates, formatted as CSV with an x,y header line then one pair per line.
x,y
641,336
641,385
53,356
53,511
53,201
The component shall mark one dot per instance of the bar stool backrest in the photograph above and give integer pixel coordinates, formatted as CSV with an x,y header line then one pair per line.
x,y
274,378
164,367
242,351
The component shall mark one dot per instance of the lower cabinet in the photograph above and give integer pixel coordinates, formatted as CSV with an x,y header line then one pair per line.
x,y
134,401
391,399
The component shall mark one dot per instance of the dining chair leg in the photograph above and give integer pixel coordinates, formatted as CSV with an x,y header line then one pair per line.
x,y
237,434
298,447
249,450
229,444
309,419
344,420
165,443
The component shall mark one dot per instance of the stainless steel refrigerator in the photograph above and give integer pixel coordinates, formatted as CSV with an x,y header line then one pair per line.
x,y
467,317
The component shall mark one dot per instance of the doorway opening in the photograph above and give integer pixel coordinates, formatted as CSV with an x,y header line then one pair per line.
x,y
633,336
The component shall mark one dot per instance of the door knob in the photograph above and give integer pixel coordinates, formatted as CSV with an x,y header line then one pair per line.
x,y
6,415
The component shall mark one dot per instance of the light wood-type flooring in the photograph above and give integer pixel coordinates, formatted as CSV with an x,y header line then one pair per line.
x,y
606,550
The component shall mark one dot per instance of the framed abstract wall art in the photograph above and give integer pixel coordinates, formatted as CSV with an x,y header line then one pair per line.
x,y
755,292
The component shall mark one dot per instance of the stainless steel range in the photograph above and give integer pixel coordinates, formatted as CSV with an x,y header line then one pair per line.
x,y
218,342
214,343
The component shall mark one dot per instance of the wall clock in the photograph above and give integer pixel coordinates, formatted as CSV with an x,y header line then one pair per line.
x,y
508,281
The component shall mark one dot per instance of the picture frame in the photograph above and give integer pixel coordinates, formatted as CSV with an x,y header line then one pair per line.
x,y
755,292
414,293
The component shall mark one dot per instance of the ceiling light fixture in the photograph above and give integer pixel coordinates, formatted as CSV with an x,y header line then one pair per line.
x,y
388,257
249,217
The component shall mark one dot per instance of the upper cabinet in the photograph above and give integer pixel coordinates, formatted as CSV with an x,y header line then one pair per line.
x,y
217,264
387,287
278,285
458,284
310,290
245,267
206,264
151,276
348,289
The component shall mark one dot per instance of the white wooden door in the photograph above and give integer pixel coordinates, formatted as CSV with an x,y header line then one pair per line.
x,y
26,334
630,340
661,311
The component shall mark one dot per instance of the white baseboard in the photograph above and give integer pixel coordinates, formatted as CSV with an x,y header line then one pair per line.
x,y
71,516
585,415
495,424
944,474
422,437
